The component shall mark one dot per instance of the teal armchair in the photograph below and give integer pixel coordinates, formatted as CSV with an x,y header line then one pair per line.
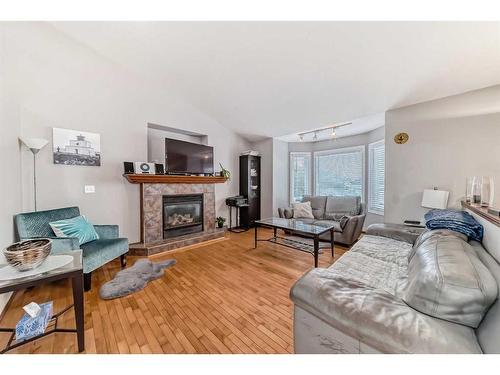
x,y
96,253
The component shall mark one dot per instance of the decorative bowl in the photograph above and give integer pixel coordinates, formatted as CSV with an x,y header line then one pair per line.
x,y
29,254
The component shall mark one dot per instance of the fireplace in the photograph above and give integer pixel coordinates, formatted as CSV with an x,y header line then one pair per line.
x,y
182,214
157,237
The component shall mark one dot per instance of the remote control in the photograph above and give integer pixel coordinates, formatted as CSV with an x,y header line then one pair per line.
x,y
412,222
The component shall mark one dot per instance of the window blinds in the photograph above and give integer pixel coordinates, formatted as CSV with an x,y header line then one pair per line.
x,y
300,172
376,177
339,172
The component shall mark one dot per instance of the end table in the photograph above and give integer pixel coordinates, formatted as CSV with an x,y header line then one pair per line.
x,y
73,271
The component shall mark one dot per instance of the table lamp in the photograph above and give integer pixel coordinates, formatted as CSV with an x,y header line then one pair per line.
x,y
35,145
434,198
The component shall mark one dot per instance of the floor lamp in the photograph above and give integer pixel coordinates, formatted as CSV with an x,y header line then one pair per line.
x,y
35,145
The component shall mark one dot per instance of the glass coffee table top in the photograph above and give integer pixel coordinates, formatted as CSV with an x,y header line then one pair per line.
x,y
294,225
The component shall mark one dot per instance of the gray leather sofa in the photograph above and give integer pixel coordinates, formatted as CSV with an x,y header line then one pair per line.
x,y
346,213
400,292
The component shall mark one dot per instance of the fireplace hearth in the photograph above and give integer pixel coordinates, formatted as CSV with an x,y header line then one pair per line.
x,y
182,214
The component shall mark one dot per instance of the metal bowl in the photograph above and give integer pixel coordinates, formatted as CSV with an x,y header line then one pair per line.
x,y
29,254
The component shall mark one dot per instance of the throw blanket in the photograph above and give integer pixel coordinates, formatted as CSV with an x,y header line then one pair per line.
x,y
457,220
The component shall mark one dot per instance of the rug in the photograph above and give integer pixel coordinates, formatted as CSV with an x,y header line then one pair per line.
x,y
135,278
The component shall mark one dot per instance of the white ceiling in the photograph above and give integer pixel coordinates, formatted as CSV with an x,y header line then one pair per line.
x,y
271,79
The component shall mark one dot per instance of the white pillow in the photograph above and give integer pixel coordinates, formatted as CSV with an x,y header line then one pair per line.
x,y
302,210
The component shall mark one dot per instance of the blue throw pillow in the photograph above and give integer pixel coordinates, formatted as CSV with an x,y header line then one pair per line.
x,y
78,227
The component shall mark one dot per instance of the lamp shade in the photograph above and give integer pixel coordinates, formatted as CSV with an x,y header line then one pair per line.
x,y
34,143
435,198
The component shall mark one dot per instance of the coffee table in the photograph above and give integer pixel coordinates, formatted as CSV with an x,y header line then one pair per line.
x,y
73,271
300,228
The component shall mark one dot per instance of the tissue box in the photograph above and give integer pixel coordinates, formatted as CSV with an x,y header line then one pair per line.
x,y
29,327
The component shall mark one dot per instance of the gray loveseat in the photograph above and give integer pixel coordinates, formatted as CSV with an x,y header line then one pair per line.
x,y
400,292
346,213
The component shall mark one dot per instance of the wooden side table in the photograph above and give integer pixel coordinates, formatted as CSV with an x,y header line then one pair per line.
x,y
73,271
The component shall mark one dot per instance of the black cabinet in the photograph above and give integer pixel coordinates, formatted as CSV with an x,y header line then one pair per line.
x,y
250,188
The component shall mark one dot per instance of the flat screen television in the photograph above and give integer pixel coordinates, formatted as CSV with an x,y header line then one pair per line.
x,y
183,157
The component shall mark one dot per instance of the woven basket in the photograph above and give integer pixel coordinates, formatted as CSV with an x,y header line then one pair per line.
x,y
26,255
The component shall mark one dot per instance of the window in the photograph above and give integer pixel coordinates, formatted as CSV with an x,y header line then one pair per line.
x,y
376,177
340,172
300,175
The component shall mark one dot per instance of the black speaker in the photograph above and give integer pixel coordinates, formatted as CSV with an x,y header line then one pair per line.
x,y
128,166
159,169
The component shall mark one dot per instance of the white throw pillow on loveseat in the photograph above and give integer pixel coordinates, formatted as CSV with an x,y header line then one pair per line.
x,y
302,210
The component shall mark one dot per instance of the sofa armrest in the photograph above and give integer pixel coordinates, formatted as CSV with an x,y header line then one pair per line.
x,y
286,212
351,229
357,218
60,244
396,232
376,317
107,231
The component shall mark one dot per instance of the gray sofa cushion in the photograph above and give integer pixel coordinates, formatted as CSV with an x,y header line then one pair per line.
x,y
306,221
318,204
349,206
286,213
447,280
326,223
397,232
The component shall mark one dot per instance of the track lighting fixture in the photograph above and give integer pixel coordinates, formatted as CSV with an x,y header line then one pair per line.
x,y
317,132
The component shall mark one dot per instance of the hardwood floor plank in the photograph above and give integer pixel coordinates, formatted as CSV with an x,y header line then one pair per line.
x,y
225,297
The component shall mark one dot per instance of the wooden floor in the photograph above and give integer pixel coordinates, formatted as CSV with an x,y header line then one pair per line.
x,y
226,297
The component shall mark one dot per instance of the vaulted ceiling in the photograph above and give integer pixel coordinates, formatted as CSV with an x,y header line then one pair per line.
x,y
276,78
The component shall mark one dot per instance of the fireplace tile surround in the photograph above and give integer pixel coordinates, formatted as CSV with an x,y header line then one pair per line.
x,y
153,206
152,240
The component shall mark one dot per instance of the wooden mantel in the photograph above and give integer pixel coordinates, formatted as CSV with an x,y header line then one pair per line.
x,y
172,179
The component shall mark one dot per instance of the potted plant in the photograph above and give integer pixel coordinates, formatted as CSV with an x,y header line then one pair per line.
x,y
220,221
224,172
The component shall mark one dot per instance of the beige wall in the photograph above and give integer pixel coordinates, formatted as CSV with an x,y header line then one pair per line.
x,y
62,83
9,160
9,145
450,139
281,186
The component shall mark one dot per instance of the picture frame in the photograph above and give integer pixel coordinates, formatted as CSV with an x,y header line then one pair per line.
x,y
75,147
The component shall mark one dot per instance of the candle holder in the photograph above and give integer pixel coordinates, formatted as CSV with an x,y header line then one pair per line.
x,y
487,191
468,189
476,190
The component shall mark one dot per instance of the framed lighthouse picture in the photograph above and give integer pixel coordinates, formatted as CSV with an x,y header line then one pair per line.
x,y
75,147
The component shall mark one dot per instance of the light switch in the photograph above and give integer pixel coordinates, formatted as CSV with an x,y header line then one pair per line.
x,y
89,189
